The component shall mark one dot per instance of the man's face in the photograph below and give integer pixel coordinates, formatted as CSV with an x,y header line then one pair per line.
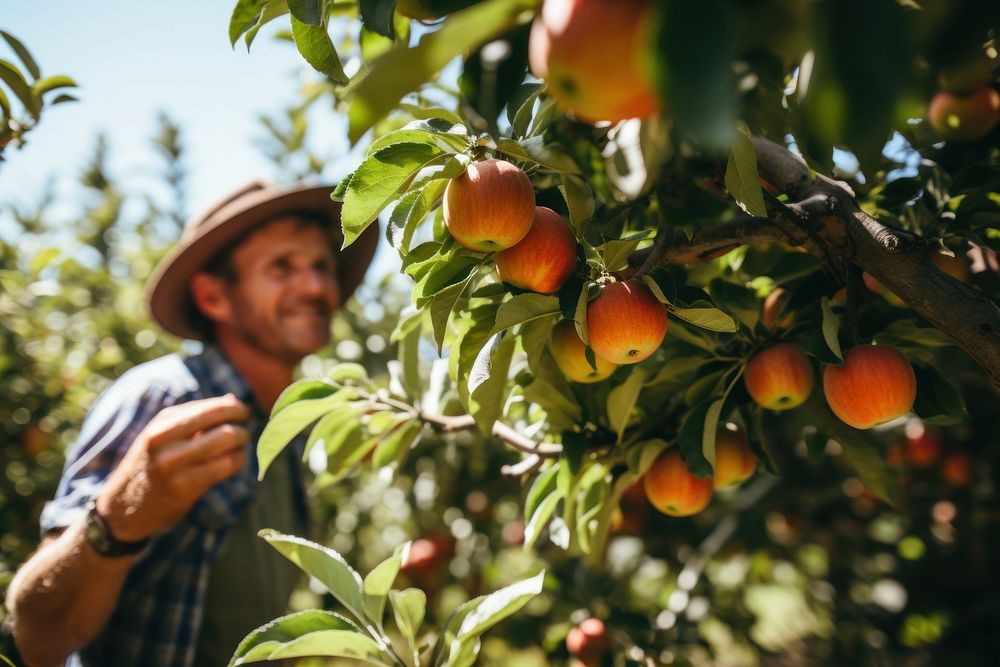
x,y
285,290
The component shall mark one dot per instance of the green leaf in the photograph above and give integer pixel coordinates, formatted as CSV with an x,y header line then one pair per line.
x,y
378,583
408,607
615,253
277,634
677,367
871,467
449,137
661,284
712,319
340,433
402,70
642,455
327,643
377,16
519,115
492,609
378,181
938,400
579,201
245,15
4,109
442,305
10,75
524,308
307,11
22,53
393,448
43,258
488,381
742,179
411,210
302,390
691,438
315,45
534,149
622,399
272,10
347,372
831,328
288,423
324,564
50,83
540,517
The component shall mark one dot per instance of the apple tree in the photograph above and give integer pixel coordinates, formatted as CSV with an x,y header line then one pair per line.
x,y
656,249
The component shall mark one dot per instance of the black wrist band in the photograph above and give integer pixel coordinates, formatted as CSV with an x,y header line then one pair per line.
x,y
100,537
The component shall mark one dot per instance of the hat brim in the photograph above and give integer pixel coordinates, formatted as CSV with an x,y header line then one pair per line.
x,y
168,295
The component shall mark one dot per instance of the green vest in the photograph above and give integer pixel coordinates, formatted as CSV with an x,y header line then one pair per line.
x,y
250,582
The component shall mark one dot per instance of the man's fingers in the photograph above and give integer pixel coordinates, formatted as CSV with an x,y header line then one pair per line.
x,y
183,421
208,474
206,445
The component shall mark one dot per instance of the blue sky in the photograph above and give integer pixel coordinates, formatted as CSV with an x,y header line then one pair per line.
x,y
132,60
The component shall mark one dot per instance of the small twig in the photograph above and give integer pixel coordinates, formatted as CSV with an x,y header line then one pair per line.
x,y
447,424
529,465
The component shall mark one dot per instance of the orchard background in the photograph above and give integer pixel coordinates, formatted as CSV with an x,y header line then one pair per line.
x,y
840,152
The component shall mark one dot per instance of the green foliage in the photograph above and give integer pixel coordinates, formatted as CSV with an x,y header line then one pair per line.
x,y
361,637
31,92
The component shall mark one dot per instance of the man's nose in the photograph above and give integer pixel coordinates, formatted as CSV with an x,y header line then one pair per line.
x,y
315,281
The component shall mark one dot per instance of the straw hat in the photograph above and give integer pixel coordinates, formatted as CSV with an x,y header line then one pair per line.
x,y
168,296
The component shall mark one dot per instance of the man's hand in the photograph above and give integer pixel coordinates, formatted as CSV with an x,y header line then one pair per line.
x,y
180,454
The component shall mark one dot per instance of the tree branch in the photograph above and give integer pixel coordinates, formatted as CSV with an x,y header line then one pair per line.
x,y
448,424
672,245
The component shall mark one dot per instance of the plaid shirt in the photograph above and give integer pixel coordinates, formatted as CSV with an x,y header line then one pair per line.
x,y
159,611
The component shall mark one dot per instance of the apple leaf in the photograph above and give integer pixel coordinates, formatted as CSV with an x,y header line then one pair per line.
x,y
378,583
870,465
938,401
377,16
307,11
691,437
642,455
276,635
324,564
580,320
524,308
579,201
443,303
395,445
378,180
408,608
444,134
492,609
316,47
402,70
709,318
615,253
22,53
292,420
488,381
742,179
661,284
244,16
410,211
831,328
621,401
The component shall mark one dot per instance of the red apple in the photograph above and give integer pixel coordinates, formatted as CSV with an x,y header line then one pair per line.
x,y
588,641
779,377
954,265
571,47
873,284
734,461
489,207
957,469
625,323
876,384
773,312
571,356
544,259
672,489
964,117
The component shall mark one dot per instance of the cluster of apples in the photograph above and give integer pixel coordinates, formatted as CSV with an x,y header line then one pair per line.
x,y
966,107
672,488
491,208
583,79
875,384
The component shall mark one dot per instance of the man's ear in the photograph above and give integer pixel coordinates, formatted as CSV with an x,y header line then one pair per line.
x,y
210,297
